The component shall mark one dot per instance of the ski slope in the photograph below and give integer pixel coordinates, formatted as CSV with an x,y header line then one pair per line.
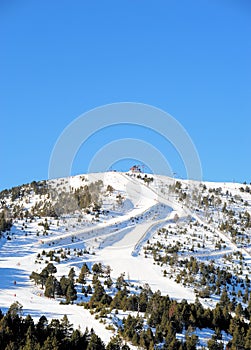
x,y
117,240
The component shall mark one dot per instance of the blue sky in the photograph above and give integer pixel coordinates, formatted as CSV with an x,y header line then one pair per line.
x,y
60,59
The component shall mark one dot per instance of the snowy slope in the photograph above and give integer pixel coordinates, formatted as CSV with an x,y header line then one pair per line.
x,y
135,212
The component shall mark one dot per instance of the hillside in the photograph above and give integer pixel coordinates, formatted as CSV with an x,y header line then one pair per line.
x,y
146,235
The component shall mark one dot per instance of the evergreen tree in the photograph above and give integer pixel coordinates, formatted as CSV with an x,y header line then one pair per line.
x,y
31,341
43,276
214,345
35,277
97,268
41,329
248,339
58,289
238,340
71,293
51,269
121,282
64,283
15,310
95,343
71,274
170,334
11,346
27,324
218,318
17,333
99,293
50,287
66,326
115,343
108,282
50,343
224,299
83,274
78,341
5,225
191,342
89,289
55,329
238,310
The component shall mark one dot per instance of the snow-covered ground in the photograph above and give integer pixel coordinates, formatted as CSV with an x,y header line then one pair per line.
x,y
117,238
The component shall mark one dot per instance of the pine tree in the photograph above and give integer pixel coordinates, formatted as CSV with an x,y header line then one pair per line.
x,y
97,268
50,344
115,343
170,334
15,310
71,293
78,341
11,346
108,282
83,274
5,225
224,299
46,225
51,268
95,343
43,276
58,289
30,342
64,283
191,342
50,287
218,317
99,292
35,277
238,340
28,323
72,274
121,282
214,345
238,310
41,329
89,289
248,339
66,326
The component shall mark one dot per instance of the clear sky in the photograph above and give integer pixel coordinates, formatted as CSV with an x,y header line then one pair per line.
x,y
59,59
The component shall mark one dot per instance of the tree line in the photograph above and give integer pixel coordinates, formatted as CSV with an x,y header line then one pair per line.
x,y
22,333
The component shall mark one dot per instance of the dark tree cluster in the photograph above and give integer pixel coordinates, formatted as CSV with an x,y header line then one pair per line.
x,y
54,201
84,197
21,333
5,224
168,317
38,188
62,288
160,318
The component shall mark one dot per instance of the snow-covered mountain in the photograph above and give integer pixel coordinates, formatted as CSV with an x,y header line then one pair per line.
x,y
188,240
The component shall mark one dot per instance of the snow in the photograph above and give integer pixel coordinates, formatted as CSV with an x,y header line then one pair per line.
x,y
117,239
203,336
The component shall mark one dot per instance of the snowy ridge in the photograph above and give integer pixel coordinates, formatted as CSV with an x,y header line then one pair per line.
x,y
135,218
